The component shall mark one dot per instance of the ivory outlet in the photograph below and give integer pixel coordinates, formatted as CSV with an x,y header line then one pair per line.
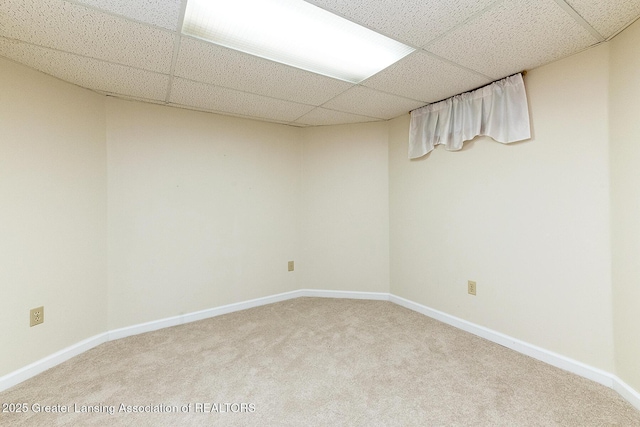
x,y
36,316
471,287
290,266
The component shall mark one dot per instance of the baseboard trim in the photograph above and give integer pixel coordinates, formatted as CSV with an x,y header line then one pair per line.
x,y
628,393
319,293
39,366
554,359
200,315
230,308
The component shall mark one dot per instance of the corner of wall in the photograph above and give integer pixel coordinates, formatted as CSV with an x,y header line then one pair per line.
x,y
624,132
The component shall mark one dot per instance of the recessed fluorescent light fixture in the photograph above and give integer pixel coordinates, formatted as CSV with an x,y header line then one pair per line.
x,y
295,33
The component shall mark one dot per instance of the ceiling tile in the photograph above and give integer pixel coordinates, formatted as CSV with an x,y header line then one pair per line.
x,y
163,13
223,100
514,35
77,29
368,102
126,47
607,17
209,63
87,72
415,22
322,116
425,77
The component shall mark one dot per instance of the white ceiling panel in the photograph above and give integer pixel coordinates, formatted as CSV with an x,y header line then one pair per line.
x,y
322,116
215,98
77,29
209,63
372,103
424,77
88,72
514,35
163,13
607,17
135,49
412,21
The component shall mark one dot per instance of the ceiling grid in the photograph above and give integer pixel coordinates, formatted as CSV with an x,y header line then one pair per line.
x,y
134,49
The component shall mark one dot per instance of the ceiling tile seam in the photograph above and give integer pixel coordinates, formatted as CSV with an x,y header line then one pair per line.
x,y
368,88
244,91
624,27
391,93
126,18
130,97
205,110
455,64
296,69
463,23
176,49
580,20
354,114
304,114
225,113
375,30
183,106
361,83
79,55
337,111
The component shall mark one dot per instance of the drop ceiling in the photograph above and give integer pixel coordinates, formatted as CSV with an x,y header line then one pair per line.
x,y
134,49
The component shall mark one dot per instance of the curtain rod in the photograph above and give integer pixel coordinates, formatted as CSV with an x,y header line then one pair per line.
x,y
523,72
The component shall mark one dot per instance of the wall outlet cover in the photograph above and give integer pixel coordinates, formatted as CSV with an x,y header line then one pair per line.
x,y
36,316
471,287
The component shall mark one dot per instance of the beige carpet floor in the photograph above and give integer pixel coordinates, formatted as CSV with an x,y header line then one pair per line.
x,y
313,362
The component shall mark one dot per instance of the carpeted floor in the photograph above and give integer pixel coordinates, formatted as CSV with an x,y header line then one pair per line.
x,y
313,362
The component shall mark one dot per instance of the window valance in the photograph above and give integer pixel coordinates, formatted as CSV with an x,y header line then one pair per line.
x,y
498,110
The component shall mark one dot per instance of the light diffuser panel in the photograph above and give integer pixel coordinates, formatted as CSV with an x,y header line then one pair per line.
x,y
295,33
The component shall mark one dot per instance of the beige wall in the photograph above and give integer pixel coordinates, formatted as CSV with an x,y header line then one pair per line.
x,y
345,208
529,222
122,212
53,215
625,201
194,210
203,210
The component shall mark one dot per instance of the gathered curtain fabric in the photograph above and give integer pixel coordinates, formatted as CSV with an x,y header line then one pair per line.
x,y
498,110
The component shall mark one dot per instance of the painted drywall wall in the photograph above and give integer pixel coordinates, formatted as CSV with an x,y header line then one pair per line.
x,y
203,210
529,222
625,201
53,216
345,208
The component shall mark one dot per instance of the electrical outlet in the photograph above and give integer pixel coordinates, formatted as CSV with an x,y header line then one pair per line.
x,y
471,285
290,266
36,316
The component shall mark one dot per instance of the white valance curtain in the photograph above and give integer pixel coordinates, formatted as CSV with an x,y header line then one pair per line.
x,y
498,110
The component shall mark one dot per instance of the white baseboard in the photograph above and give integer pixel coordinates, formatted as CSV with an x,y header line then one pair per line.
x,y
378,296
531,350
39,366
554,359
141,328
16,377
628,393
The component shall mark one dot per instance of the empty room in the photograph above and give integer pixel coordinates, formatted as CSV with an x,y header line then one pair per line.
x,y
320,213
